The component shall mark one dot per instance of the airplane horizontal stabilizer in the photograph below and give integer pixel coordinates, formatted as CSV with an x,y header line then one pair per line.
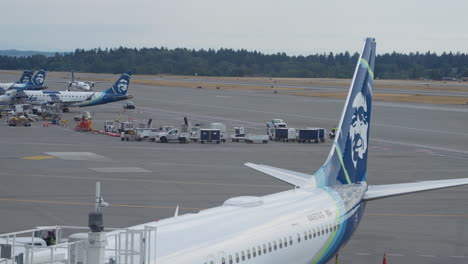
x,y
295,178
382,191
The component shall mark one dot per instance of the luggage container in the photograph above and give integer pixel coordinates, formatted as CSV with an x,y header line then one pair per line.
x,y
310,135
280,134
210,135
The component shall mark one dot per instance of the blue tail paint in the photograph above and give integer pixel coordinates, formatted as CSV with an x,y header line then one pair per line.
x,y
39,78
26,77
347,162
120,87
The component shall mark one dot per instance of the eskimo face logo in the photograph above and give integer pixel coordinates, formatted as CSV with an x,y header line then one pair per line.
x,y
122,86
39,78
359,128
25,79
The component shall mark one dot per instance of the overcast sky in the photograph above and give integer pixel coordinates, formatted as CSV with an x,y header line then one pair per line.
x,y
294,26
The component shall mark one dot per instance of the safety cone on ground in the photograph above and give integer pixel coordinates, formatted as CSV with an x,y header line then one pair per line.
x,y
384,258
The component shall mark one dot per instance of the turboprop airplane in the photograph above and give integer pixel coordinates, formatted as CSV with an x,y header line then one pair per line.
x,y
26,82
74,84
66,99
307,224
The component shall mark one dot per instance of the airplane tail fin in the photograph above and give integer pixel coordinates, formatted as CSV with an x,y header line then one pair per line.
x,y
347,161
39,78
26,77
120,87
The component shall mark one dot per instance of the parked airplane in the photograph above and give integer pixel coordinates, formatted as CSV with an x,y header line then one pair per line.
x,y
308,224
74,84
66,99
26,82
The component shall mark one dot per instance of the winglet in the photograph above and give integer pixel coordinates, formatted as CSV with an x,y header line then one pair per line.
x,y
176,213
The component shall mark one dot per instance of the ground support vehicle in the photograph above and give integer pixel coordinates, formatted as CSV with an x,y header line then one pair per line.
x,y
210,135
257,139
222,129
146,133
128,105
239,134
173,135
332,133
18,121
273,124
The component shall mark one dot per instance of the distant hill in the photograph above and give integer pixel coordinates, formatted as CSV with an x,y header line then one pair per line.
x,y
25,53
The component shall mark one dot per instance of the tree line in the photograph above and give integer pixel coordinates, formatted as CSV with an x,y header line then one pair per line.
x,y
241,63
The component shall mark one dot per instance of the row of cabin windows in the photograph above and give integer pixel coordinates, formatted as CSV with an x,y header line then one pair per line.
x,y
74,96
275,245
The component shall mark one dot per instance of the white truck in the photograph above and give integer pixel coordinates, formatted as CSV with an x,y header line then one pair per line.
x,y
173,135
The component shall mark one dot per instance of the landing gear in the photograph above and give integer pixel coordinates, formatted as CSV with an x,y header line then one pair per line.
x,y
66,110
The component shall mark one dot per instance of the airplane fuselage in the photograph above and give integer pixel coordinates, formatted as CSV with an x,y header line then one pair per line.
x,y
68,98
300,226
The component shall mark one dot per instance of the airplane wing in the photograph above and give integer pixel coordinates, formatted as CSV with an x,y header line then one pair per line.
x,y
382,191
292,177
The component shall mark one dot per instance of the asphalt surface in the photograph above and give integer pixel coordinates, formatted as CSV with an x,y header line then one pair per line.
x,y
409,142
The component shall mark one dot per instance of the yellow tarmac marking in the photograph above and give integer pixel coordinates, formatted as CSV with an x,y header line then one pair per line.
x,y
38,157
90,204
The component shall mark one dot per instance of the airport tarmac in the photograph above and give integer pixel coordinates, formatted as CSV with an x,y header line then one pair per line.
x,y
48,173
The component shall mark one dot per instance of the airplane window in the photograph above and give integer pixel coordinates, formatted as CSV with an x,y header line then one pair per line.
x,y
298,238
315,234
223,261
269,247
326,229
237,257
323,231
275,247
243,255
259,251
264,249
280,244
285,242
305,235
254,253
310,234
230,260
248,253
290,240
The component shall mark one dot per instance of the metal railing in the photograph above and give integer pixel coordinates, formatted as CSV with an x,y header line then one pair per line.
x,y
129,246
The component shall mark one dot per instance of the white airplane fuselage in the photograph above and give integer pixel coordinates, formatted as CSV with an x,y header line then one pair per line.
x,y
80,86
300,226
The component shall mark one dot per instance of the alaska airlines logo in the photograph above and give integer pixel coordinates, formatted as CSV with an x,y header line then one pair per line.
x,y
25,79
122,86
359,128
39,79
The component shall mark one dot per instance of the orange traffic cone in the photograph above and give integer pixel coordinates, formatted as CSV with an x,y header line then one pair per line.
x,y
384,258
